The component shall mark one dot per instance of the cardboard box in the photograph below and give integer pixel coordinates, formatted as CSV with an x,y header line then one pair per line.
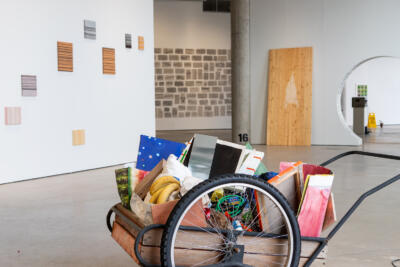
x,y
144,186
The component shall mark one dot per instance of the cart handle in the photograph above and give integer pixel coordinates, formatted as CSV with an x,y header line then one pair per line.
x,y
139,237
357,152
108,218
360,199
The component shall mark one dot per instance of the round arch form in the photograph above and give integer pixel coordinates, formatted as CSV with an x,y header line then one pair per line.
x,y
340,93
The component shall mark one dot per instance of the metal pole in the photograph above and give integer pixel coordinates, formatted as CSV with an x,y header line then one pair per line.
x,y
240,38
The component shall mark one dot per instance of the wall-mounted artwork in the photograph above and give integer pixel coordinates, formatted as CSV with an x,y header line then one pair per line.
x,y
89,28
78,137
12,115
65,58
28,85
128,40
108,60
140,42
362,90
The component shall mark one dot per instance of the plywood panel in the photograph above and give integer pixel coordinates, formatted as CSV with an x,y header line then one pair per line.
x,y
65,56
289,97
140,42
108,60
78,137
12,115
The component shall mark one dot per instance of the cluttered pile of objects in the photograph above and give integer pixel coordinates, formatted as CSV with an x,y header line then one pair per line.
x,y
166,171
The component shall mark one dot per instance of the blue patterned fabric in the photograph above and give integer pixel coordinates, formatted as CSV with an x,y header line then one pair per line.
x,y
152,150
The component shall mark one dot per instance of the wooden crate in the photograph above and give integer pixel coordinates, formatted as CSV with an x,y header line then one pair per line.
x,y
127,226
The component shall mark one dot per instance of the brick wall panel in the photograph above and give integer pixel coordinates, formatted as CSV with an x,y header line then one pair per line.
x,y
192,82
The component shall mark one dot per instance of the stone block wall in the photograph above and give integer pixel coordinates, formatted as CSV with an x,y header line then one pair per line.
x,y
192,83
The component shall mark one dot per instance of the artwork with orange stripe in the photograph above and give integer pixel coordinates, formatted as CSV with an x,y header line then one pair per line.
x,y
108,60
140,42
65,56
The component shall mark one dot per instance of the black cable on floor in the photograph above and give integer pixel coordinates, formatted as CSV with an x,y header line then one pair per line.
x,y
394,263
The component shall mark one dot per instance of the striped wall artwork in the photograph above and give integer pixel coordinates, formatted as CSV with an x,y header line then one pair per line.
x,y
89,28
140,42
65,58
128,40
78,137
28,85
108,60
12,115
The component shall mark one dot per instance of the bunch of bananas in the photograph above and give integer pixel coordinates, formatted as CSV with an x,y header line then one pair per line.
x,y
162,188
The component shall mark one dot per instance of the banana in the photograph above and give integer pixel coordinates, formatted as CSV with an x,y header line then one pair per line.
x,y
166,192
155,196
161,182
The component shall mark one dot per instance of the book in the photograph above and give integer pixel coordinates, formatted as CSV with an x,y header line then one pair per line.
x,y
288,183
152,150
313,206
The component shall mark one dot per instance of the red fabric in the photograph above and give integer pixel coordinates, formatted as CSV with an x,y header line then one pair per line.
x,y
309,169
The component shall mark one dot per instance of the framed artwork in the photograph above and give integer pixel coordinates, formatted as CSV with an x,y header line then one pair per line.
x,y
362,90
29,85
140,42
65,56
78,137
128,40
89,28
12,115
108,60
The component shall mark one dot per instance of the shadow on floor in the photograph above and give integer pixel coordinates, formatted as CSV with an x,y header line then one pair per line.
x,y
185,135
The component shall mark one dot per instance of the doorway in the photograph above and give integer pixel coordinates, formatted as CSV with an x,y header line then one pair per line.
x,y
378,80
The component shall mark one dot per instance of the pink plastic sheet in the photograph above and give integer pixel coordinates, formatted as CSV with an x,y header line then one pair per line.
x,y
313,209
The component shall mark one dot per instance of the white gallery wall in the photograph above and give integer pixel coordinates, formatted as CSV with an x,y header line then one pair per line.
x,y
112,109
342,33
183,24
382,76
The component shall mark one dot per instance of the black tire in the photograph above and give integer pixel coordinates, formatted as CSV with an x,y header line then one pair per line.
x,y
198,190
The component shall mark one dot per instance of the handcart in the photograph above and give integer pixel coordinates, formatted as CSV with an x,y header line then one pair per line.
x,y
183,241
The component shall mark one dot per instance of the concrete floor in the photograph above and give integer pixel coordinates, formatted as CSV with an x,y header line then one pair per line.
x,y
389,134
60,221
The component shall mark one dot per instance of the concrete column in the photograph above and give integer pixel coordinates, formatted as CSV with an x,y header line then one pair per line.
x,y
240,31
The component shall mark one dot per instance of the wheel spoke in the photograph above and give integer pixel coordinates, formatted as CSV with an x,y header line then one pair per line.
x,y
246,203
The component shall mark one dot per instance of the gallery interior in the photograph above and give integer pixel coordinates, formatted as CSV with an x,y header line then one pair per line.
x,y
200,133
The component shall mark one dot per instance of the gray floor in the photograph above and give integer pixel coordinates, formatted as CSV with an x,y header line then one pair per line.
x,y
389,134
60,221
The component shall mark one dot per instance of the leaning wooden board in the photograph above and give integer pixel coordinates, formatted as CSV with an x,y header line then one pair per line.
x,y
289,96
125,231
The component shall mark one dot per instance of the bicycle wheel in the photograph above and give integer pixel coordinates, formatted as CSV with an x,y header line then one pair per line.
x,y
231,220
